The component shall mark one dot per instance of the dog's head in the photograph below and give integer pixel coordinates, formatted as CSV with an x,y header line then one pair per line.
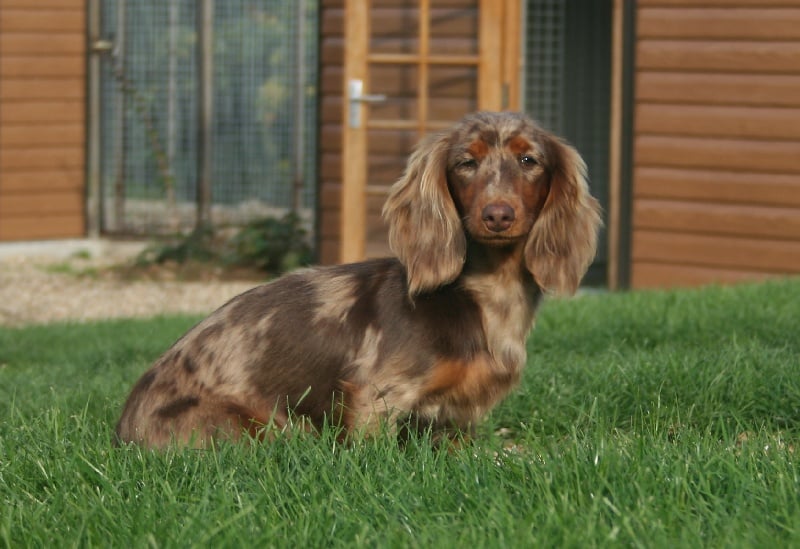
x,y
498,180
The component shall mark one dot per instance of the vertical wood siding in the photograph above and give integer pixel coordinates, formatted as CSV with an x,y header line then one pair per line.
x,y
716,189
42,118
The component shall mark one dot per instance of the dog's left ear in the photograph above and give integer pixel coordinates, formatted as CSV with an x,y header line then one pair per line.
x,y
563,240
425,230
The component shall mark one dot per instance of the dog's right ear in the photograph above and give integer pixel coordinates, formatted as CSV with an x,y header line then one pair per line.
x,y
563,240
425,230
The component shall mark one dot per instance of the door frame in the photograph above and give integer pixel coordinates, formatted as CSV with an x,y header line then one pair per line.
x,y
498,62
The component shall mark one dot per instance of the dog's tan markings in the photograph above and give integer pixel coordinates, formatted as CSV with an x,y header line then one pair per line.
x,y
466,381
385,396
519,145
250,421
264,325
366,359
364,414
342,413
350,394
478,149
225,371
335,296
507,311
445,376
209,335
462,391
366,394
257,335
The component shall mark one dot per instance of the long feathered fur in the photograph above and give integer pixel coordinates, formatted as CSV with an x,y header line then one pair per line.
x,y
487,217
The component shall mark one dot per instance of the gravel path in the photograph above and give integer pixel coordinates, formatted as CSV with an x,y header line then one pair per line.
x,y
36,291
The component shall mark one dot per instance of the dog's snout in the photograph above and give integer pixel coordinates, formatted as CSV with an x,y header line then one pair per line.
x,y
498,217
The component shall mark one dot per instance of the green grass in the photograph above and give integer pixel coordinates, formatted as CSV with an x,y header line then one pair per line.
x,y
644,419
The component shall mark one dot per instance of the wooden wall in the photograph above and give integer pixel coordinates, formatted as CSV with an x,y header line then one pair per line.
x,y
716,177
331,86
42,118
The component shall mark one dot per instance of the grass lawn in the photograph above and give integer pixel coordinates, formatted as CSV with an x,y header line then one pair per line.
x,y
644,419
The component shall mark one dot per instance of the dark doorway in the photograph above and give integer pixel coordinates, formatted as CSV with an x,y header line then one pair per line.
x,y
568,87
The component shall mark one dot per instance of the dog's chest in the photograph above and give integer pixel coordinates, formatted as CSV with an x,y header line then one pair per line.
x,y
464,390
507,313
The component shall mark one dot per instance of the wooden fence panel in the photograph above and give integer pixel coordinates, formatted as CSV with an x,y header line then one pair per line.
x,y
42,118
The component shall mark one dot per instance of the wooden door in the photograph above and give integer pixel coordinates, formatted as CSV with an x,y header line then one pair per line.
x,y
413,67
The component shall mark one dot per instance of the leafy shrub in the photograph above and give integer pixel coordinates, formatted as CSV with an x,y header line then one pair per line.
x,y
269,244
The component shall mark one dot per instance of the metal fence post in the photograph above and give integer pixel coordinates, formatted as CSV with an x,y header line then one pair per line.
x,y
172,84
120,106
299,110
93,201
205,56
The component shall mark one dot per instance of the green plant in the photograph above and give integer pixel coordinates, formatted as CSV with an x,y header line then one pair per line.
x,y
270,244
77,264
198,245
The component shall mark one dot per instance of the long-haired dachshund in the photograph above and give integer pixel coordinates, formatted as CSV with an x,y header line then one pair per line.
x,y
487,217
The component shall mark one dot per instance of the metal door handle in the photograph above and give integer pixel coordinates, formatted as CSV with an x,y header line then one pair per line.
x,y
356,96
101,46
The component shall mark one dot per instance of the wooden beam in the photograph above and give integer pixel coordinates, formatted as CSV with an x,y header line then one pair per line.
x,y
413,58
722,252
723,154
724,121
38,227
512,55
745,220
490,70
721,23
718,186
354,147
719,56
422,66
703,88
652,274
615,147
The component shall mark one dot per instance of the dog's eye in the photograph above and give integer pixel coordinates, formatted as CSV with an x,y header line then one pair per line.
x,y
468,164
528,160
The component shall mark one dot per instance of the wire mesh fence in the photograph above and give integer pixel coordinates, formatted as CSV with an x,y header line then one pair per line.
x,y
263,125
544,61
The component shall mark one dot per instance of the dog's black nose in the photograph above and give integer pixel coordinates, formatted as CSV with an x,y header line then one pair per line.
x,y
498,217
